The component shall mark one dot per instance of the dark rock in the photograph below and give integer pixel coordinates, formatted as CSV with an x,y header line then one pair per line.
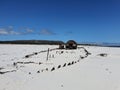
x,y
36,53
64,65
38,71
53,69
27,56
103,55
69,64
72,62
59,66
46,69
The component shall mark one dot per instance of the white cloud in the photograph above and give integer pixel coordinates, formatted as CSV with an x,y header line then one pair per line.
x,y
23,31
14,33
3,31
29,30
46,32
10,31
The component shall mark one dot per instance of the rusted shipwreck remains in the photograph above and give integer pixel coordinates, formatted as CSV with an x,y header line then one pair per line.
x,y
71,44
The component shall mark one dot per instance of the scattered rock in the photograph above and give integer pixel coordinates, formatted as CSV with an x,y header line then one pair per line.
x,y
27,56
53,69
14,64
64,65
75,62
42,70
53,56
78,60
72,62
81,57
38,71
40,63
106,69
69,64
59,66
46,69
62,52
35,53
61,85
29,72
1,68
102,55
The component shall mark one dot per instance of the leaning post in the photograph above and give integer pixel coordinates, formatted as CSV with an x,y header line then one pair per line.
x,y
47,54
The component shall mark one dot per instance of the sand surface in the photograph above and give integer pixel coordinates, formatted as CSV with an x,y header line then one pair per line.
x,y
64,69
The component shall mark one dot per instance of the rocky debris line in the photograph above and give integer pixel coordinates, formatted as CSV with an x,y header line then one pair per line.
x,y
67,64
15,63
3,72
47,69
36,53
61,66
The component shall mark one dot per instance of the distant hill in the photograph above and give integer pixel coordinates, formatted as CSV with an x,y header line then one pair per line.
x,y
104,44
49,42
52,42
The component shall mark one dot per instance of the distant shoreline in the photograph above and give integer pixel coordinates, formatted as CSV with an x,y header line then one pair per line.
x,y
32,42
57,42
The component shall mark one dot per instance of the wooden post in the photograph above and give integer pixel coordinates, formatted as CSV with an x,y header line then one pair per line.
x,y
47,54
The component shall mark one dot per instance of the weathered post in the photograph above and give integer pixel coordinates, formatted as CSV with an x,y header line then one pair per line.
x,y
47,54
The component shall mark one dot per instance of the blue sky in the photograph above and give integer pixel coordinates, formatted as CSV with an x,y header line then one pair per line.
x,y
80,20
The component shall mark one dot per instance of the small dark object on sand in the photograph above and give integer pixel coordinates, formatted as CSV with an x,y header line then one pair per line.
x,y
103,55
42,70
29,72
35,53
46,69
82,57
38,71
14,64
72,62
78,60
64,65
62,51
1,68
59,66
40,63
53,69
69,64
61,85
27,56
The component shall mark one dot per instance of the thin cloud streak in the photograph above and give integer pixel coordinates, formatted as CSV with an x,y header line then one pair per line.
x,y
10,31
24,31
46,32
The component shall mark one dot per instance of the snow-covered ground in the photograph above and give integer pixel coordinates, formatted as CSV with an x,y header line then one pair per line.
x,y
64,69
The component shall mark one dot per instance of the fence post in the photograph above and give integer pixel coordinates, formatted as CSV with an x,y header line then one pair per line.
x,y
47,54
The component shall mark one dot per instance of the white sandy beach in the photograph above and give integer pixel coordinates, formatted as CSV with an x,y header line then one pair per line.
x,y
64,69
